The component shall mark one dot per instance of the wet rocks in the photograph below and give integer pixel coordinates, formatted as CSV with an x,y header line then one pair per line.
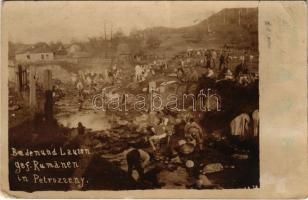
x,y
202,182
14,107
177,179
213,167
240,156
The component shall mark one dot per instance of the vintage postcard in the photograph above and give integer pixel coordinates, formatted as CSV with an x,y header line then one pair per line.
x,y
154,99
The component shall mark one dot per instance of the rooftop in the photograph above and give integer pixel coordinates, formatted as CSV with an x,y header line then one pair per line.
x,y
40,48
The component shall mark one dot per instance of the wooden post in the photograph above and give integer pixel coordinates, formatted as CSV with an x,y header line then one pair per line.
x,y
47,80
32,84
152,88
18,85
48,106
25,76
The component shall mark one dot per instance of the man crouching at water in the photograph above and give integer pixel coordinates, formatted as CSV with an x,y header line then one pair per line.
x,y
137,159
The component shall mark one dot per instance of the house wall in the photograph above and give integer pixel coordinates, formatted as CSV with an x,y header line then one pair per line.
x,y
11,74
32,57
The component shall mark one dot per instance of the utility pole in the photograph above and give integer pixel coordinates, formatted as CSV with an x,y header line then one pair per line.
x,y
208,26
110,32
111,43
105,30
105,38
239,16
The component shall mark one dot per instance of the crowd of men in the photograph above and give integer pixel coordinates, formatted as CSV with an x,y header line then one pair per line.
x,y
87,83
182,140
218,65
214,64
180,135
190,137
143,71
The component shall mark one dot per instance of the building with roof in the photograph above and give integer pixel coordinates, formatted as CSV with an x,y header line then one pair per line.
x,y
73,48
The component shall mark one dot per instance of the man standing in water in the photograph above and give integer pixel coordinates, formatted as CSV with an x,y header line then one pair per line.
x,y
222,60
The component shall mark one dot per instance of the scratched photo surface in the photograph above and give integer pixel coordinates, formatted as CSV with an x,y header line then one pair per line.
x,y
133,95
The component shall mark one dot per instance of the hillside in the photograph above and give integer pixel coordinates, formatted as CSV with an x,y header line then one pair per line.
x,y
237,27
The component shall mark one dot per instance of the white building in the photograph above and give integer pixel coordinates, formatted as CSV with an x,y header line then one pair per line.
x,y
35,54
33,57
73,49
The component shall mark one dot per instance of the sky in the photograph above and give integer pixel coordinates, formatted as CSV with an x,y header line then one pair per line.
x,y
43,21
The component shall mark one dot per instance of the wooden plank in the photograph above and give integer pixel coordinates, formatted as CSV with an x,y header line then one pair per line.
x,y
47,80
32,85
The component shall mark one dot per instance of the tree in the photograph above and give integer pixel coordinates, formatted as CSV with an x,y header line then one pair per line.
x,y
153,42
199,34
134,44
118,37
57,48
133,33
118,34
96,45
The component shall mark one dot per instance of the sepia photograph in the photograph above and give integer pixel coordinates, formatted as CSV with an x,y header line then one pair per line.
x,y
123,95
